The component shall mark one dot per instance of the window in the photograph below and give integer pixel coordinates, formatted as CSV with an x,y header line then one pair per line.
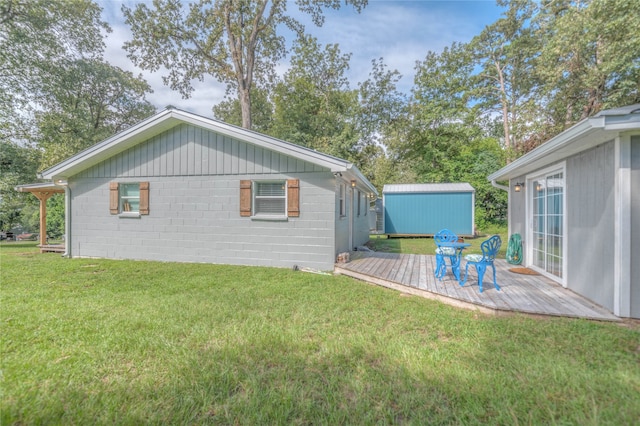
x,y
343,207
270,199
359,199
366,204
129,198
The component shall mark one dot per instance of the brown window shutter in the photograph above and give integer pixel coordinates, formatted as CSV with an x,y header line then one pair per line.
x,y
293,198
144,198
245,198
113,198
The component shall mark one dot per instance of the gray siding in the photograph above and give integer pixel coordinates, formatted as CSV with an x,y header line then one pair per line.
x,y
360,223
635,226
187,150
194,178
518,213
590,183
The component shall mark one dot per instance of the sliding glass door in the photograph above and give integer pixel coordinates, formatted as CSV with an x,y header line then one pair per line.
x,y
548,192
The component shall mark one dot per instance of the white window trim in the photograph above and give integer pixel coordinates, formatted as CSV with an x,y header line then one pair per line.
x,y
122,198
266,216
342,200
562,168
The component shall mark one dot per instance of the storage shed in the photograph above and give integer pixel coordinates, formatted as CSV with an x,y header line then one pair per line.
x,y
426,208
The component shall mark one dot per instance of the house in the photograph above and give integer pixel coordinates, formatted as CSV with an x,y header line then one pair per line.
x,y
426,208
182,187
575,200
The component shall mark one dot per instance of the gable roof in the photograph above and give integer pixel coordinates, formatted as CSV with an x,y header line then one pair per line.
x,y
172,117
586,134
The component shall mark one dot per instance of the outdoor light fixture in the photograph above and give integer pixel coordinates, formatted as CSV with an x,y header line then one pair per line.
x,y
353,183
518,186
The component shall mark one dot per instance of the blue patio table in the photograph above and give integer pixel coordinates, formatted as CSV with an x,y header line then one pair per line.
x,y
454,258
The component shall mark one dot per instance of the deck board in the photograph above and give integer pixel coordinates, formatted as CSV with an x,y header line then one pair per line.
x,y
530,294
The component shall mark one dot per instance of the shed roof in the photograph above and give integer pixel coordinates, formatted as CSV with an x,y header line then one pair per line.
x,y
427,188
40,187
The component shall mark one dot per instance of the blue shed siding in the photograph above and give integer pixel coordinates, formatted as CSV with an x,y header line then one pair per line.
x,y
428,213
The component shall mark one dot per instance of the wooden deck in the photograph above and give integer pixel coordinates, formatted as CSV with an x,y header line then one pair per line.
x,y
52,248
530,294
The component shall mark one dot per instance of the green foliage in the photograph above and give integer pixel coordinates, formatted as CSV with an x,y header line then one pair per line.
x,y
314,106
55,216
534,72
36,35
93,341
588,61
18,165
64,96
230,111
90,101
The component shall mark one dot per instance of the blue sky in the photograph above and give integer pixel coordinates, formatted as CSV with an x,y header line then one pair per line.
x,y
399,31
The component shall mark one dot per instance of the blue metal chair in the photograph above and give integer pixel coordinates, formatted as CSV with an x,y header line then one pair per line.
x,y
489,249
444,236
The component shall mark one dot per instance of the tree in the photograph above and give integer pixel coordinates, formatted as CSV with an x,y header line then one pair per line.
x,y
230,111
88,101
34,35
234,41
314,106
17,165
60,94
439,113
590,60
445,138
57,94
504,51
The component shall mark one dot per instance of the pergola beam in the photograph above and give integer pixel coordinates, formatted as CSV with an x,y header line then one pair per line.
x,y
42,191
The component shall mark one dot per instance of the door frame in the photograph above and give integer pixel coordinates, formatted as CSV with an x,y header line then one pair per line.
x,y
530,178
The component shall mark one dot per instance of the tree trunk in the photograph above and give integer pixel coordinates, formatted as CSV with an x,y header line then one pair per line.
x,y
245,107
505,106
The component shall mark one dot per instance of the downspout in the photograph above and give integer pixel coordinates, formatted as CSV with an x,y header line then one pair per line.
x,y
67,217
67,221
351,218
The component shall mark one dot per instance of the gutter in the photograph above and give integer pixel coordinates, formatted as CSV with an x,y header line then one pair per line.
x,y
496,185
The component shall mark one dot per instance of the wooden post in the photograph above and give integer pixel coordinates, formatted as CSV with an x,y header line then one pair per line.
x,y
43,197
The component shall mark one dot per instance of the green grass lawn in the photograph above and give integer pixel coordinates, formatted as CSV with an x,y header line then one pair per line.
x,y
87,341
427,245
